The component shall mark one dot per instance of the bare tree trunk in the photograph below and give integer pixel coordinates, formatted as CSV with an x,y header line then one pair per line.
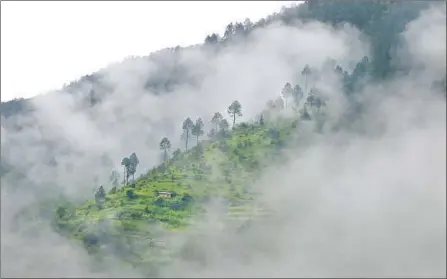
x,y
305,84
124,176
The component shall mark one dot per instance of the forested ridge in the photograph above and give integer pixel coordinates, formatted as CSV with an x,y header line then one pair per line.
x,y
381,21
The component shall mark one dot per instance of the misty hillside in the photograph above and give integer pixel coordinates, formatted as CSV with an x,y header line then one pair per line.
x,y
221,169
309,143
381,21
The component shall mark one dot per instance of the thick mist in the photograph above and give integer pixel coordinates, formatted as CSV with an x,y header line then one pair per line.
x,y
348,204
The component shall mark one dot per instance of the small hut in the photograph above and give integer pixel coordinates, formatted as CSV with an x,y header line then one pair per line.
x,y
165,194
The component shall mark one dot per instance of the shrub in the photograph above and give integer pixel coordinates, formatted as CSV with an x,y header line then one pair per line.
x,y
187,199
130,194
136,215
160,202
90,239
61,211
176,206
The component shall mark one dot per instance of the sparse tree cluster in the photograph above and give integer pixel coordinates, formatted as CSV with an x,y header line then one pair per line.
x,y
100,197
188,125
235,109
306,73
288,92
197,129
220,126
165,145
130,167
372,19
295,94
290,96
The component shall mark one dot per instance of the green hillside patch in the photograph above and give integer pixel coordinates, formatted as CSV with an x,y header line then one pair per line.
x,y
175,195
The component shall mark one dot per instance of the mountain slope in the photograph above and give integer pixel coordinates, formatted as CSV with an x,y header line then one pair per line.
x,y
373,18
224,170
224,198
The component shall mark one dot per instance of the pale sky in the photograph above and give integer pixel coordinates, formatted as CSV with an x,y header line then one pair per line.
x,y
45,44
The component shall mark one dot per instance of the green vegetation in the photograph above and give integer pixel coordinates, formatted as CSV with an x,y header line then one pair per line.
x,y
381,21
223,167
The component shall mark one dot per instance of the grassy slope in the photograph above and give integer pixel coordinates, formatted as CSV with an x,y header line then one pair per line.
x,y
224,168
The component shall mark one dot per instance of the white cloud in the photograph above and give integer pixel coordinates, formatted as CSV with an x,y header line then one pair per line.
x,y
45,44
346,204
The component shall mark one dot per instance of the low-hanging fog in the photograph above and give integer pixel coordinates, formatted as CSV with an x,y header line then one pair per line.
x,y
367,204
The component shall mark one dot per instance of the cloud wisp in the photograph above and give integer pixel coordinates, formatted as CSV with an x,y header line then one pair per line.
x,y
364,205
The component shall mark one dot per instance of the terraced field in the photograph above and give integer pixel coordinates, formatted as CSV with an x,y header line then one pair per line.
x,y
215,178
